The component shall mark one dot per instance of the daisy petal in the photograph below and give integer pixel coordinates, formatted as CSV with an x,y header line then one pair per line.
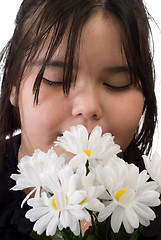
x,y
116,219
132,217
41,225
65,219
129,229
52,226
106,212
36,213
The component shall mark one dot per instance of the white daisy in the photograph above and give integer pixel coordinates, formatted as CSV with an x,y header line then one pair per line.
x,y
73,184
64,209
153,167
93,147
50,212
129,196
91,202
31,168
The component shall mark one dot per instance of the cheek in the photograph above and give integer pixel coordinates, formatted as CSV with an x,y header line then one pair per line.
x,y
48,116
52,108
125,117
41,121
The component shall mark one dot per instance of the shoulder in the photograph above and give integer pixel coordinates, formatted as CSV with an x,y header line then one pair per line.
x,y
12,217
9,162
153,231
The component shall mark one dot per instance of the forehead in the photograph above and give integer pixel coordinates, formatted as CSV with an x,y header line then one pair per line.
x,y
99,45
100,38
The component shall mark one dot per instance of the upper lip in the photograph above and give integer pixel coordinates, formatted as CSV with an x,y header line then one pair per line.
x,y
89,130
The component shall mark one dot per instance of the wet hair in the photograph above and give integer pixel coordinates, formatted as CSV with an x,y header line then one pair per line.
x,y
38,20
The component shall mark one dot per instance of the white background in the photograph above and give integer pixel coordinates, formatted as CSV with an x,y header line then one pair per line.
x,y
8,11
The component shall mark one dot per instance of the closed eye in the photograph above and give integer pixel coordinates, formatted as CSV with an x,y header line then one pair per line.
x,y
53,83
117,88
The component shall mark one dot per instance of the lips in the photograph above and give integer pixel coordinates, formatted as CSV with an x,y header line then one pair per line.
x,y
89,129
89,134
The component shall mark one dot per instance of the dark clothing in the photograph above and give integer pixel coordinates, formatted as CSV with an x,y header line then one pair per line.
x,y
153,232
14,225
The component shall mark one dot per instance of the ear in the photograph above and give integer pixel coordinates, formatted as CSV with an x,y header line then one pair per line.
x,y
13,96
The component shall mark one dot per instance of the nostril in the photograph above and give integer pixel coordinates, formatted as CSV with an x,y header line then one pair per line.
x,y
60,135
87,107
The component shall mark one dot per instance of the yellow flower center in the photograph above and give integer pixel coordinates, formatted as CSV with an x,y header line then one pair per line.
x,y
54,204
119,194
82,201
87,152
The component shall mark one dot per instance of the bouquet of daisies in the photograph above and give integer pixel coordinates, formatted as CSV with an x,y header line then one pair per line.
x,y
95,186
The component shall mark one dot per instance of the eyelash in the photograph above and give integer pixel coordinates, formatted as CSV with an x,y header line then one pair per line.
x,y
117,88
52,83
113,88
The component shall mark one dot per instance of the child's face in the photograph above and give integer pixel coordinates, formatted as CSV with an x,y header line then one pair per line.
x,y
95,99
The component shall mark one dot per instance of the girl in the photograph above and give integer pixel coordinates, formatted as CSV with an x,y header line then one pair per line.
x,y
74,62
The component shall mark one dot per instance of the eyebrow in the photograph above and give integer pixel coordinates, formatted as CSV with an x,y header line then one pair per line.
x,y
116,69
52,63
60,64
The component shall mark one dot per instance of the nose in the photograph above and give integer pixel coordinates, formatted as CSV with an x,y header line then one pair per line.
x,y
87,103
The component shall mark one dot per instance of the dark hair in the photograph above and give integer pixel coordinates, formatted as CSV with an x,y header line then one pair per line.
x,y
39,18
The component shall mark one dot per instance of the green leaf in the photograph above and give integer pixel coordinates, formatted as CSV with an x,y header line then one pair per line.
x,y
91,237
66,233
99,231
123,235
40,237
58,236
136,234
